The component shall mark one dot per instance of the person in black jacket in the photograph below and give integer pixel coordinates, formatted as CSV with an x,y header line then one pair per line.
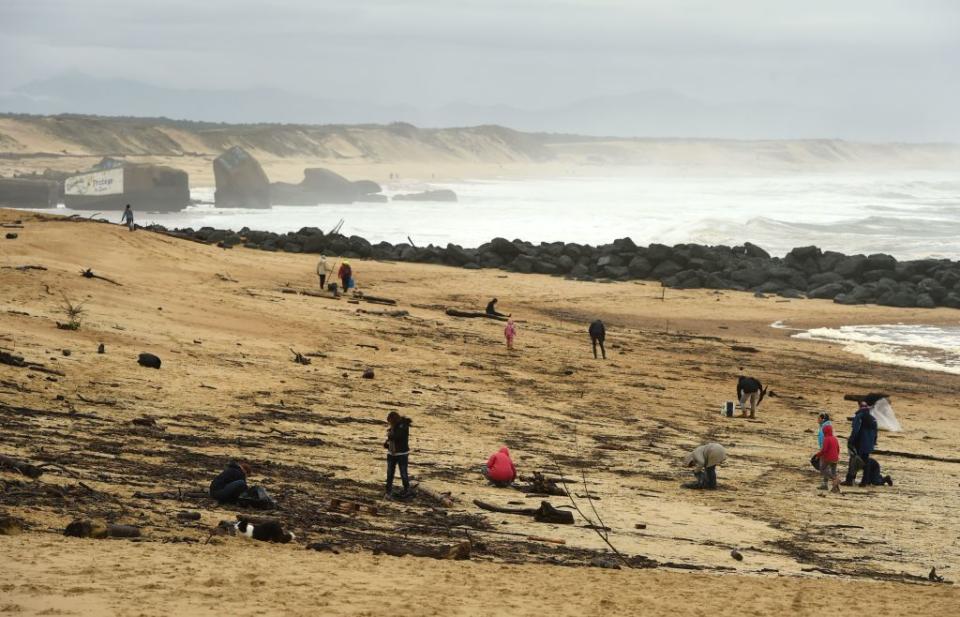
x,y
598,332
749,392
231,483
861,444
398,450
492,309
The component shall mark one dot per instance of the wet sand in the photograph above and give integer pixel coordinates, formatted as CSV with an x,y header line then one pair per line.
x,y
229,388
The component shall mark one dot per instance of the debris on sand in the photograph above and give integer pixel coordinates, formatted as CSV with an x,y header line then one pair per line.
x,y
148,360
86,528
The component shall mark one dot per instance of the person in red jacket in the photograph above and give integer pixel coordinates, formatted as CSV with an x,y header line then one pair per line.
x,y
829,454
499,468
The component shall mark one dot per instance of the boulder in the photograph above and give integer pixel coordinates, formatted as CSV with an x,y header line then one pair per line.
x,y
823,278
322,186
828,291
850,267
899,296
805,259
241,181
665,269
880,261
28,193
148,360
924,300
639,267
752,250
445,195
750,277
455,255
504,248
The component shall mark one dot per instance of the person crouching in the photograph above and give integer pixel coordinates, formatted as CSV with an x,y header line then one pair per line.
x,y
500,469
231,483
704,459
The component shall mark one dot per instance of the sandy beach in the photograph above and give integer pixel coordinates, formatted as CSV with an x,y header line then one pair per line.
x,y
229,388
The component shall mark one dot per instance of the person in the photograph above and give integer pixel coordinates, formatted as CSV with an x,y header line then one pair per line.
x,y
492,309
749,391
346,275
829,456
823,419
860,444
322,271
705,459
231,483
128,218
398,450
499,468
510,332
598,332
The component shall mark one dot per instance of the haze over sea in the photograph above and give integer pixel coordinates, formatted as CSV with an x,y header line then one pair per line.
x,y
910,215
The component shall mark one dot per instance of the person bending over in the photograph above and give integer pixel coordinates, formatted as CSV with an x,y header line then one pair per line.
x,y
231,483
704,459
598,332
749,392
500,469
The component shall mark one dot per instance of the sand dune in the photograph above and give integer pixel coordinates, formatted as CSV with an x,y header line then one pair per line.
x,y
229,388
70,143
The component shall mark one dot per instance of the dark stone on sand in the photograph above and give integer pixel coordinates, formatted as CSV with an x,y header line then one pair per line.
x,y
148,360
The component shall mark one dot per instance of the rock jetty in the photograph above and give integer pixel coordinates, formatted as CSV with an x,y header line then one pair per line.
x,y
805,272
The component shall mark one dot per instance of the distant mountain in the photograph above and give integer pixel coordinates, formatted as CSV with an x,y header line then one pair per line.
x,y
77,92
654,113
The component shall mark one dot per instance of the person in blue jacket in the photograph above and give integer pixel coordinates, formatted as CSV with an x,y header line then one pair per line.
x,y
861,444
822,420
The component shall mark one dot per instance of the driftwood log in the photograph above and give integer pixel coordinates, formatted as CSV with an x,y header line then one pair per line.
x,y
546,513
869,399
85,528
23,467
459,551
89,274
444,499
397,313
378,300
452,312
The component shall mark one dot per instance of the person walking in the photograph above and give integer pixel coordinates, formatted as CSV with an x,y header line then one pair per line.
x,y
346,275
510,333
823,419
323,270
829,456
749,392
398,451
500,469
598,332
704,459
128,218
231,483
860,444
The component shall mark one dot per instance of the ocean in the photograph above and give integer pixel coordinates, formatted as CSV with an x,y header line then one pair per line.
x,y
908,215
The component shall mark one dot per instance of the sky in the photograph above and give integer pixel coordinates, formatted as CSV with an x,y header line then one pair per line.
x,y
901,57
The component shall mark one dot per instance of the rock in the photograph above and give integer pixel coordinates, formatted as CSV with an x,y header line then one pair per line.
x,y
455,255
771,287
11,236
66,352
823,278
101,348
827,292
368,373
751,277
605,561
322,186
523,264
804,258
504,248
924,300
861,294
880,261
148,360
900,296
187,515
657,253
445,195
665,269
850,267
10,526
736,555
952,300
639,267
240,180
752,250
28,193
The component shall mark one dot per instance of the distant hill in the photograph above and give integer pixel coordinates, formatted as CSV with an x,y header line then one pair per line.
x,y
652,114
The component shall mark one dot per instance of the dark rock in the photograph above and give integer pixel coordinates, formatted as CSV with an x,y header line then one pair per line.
x,y
771,287
823,278
851,267
615,272
751,277
752,250
924,300
368,373
504,248
665,269
952,300
828,291
565,263
445,195
455,255
829,259
900,297
322,186
933,288
880,261
624,245
609,260
523,263
148,360
28,193
861,294
241,181
11,236
806,259
101,348
639,266
793,294
657,253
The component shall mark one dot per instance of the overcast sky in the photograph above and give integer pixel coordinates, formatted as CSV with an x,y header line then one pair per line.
x,y
525,53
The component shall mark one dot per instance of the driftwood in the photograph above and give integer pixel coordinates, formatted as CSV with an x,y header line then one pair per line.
x,y
398,313
922,457
550,540
869,399
89,274
84,528
26,267
308,292
378,300
299,358
13,360
23,467
744,349
459,551
546,513
452,312
444,499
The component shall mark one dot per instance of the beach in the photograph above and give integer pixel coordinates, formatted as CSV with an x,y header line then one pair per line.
x,y
229,388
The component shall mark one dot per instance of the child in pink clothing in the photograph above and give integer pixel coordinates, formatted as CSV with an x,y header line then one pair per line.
x,y
510,332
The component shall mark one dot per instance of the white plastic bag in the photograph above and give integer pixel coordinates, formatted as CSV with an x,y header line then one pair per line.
x,y
882,412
